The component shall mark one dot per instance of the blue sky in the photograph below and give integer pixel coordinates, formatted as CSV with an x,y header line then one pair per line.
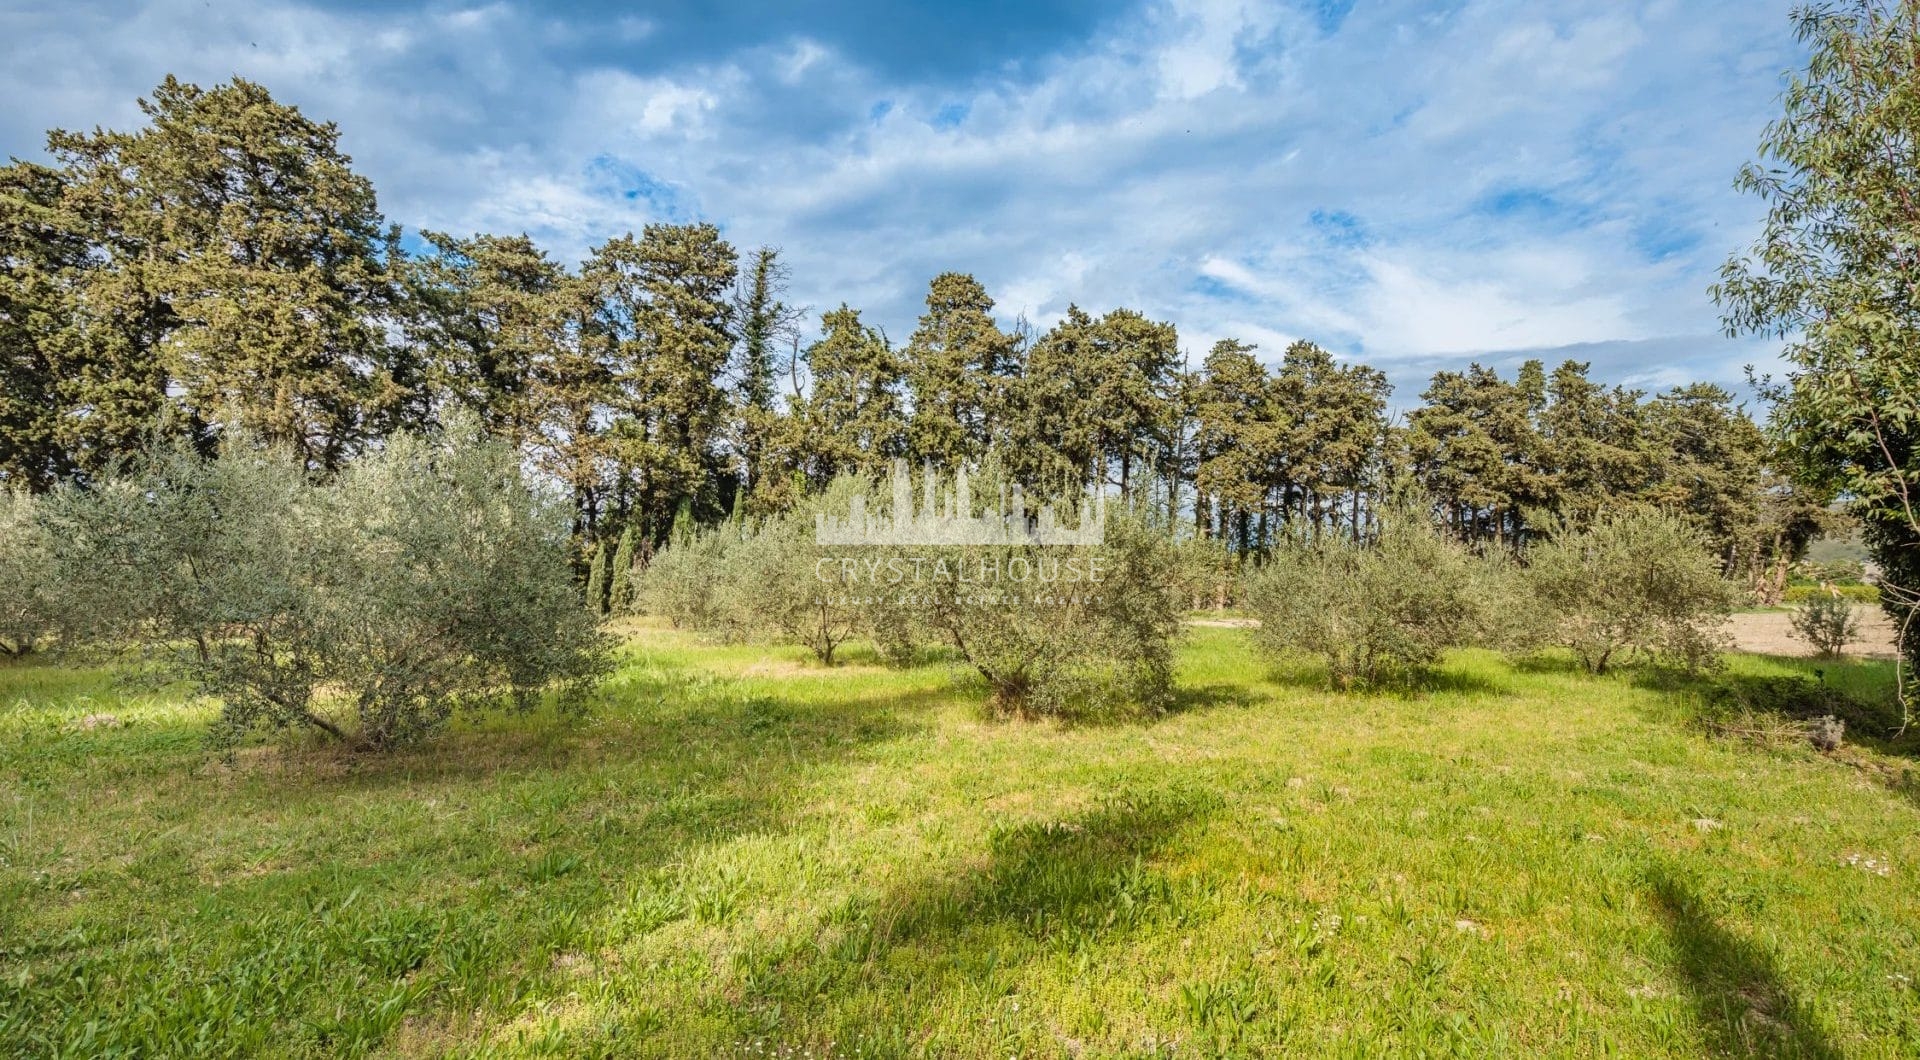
x,y
1415,184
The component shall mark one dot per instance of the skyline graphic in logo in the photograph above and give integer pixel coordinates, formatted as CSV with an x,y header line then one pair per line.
x,y
948,519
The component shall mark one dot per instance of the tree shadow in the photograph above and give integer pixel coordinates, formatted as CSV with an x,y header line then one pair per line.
x,y
1804,695
885,969
1550,662
1087,872
1210,696
1405,685
501,847
1738,995
647,706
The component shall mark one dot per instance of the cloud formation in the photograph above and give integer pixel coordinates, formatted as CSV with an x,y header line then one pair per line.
x,y
1415,184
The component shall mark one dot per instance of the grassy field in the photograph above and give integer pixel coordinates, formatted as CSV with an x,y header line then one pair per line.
x,y
739,853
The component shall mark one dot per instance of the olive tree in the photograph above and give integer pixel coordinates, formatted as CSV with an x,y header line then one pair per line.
x,y
782,582
689,583
1638,583
427,578
1072,631
27,595
1377,609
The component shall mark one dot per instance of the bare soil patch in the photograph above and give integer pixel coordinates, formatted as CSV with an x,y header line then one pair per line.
x,y
1771,633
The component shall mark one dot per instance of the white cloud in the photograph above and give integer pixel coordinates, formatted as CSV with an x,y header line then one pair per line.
x,y
1518,177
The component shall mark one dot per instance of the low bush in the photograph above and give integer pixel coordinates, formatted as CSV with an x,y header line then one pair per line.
x,y
1206,574
1827,623
1077,632
426,579
782,583
1056,630
1375,610
687,583
1639,583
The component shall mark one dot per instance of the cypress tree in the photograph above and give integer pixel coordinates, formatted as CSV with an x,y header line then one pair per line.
x,y
623,573
683,527
597,580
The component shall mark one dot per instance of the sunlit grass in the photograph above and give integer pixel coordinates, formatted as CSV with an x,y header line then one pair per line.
x,y
742,853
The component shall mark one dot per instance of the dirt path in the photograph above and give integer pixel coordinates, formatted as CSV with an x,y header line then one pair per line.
x,y
1771,633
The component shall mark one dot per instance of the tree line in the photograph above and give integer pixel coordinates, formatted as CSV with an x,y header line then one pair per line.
x,y
224,267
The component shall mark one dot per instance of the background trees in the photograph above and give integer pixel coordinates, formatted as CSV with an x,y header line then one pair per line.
x,y
224,267
958,363
246,256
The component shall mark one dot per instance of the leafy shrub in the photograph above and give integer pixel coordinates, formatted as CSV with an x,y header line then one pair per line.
x,y
1080,631
1636,583
27,593
785,584
1373,610
426,579
1206,574
1827,623
1052,641
688,581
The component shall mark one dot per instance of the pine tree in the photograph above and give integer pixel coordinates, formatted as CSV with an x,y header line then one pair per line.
x,y
1237,440
853,420
483,312
1334,444
42,256
662,317
764,320
236,228
1054,433
1475,448
958,365
1132,376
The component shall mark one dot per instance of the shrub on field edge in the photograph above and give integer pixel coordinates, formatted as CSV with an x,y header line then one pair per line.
x,y
28,595
1095,648
1635,583
1827,623
426,579
1374,610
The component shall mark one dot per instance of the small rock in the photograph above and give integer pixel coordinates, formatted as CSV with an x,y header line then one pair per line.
x,y
1467,927
1867,864
1705,824
1826,732
99,721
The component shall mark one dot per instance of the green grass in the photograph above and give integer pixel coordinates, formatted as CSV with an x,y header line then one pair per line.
x,y
739,853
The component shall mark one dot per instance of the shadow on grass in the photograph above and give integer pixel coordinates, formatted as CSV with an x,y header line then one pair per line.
x,y
446,878
1550,662
1210,696
1737,994
1072,885
1083,873
1411,684
1807,690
